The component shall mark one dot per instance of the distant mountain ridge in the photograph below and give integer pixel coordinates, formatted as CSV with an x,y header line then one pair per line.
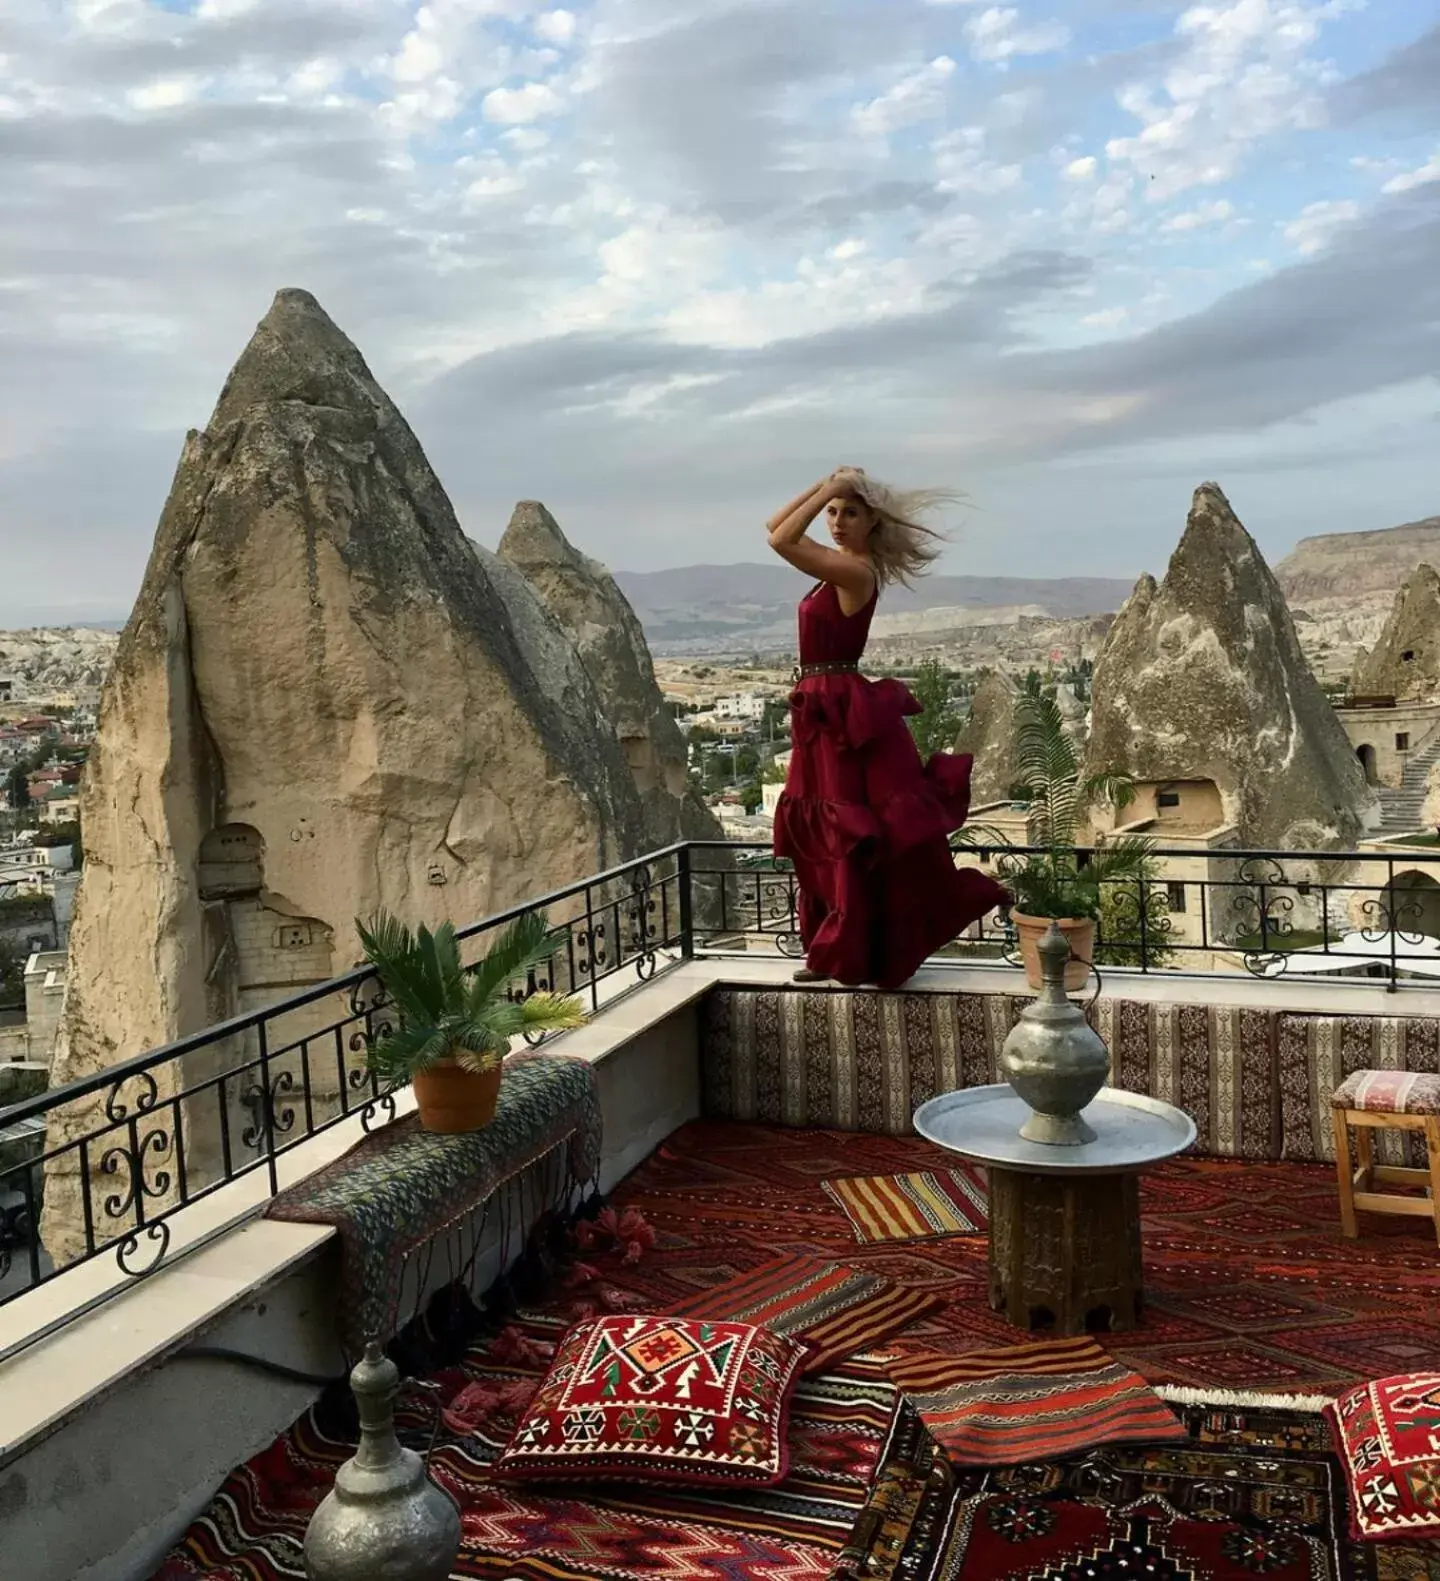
x,y
711,608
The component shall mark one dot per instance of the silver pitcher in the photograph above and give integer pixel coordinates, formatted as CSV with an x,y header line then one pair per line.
x,y
1053,1057
384,1520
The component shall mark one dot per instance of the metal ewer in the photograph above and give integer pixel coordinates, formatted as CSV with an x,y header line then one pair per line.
x,y
384,1520
1053,1057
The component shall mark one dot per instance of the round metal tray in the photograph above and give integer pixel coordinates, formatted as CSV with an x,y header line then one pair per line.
x,y
983,1124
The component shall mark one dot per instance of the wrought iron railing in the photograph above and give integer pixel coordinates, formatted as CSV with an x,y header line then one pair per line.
x,y
102,1165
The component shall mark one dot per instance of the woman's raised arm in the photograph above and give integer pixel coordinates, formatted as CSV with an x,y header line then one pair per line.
x,y
786,531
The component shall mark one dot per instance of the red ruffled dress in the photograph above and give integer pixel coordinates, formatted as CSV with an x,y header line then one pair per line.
x,y
864,821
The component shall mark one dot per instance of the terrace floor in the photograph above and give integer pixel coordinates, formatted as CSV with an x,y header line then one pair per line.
x,y
1251,1292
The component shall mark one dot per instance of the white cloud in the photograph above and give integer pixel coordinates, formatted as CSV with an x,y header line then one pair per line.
x,y
1203,214
165,93
917,96
520,106
1082,169
555,27
995,36
962,165
1317,224
1245,74
1410,179
1106,318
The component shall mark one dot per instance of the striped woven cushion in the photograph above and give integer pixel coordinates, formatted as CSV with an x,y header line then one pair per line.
x,y
834,1311
1031,1402
913,1207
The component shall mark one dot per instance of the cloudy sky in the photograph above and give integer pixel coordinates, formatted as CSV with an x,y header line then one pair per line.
x,y
662,262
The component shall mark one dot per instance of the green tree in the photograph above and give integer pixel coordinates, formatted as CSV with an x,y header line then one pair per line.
x,y
746,762
936,728
751,796
12,975
17,787
1122,938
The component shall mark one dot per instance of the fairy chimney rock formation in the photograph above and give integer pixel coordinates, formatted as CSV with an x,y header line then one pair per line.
x,y
585,601
1202,694
989,737
1405,663
326,701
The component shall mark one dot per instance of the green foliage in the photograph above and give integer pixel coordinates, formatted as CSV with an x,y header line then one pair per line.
x,y
447,1012
751,796
936,728
1059,881
1122,940
17,787
12,975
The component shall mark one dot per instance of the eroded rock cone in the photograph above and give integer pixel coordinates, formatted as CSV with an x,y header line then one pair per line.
x,y
1405,663
989,737
326,701
586,602
1201,680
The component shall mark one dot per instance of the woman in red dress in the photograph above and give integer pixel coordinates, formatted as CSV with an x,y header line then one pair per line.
x,y
866,824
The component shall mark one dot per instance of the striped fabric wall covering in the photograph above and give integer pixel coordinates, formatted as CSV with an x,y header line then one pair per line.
x,y
1316,1053
1257,1083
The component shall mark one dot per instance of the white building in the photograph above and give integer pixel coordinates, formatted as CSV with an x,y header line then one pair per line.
x,y
748,706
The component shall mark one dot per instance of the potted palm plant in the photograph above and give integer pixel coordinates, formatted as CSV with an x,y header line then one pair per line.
x,y
455,1025
1057,882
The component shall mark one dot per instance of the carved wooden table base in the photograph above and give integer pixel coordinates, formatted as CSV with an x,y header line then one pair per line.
x,y
1065,1250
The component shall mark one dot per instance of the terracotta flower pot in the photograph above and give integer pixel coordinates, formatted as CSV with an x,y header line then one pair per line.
x,y
452,1099
1079,933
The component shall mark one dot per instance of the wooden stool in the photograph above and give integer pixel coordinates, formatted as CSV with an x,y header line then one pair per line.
x,y
1385,1100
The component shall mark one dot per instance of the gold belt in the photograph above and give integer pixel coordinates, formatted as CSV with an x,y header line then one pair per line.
x,y
803,672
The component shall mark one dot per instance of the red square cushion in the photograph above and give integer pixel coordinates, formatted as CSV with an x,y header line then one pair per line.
x,y
1387,1435
665,1397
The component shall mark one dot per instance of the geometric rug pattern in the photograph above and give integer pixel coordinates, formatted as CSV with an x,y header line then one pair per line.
x,y
1249,1287
1249,1284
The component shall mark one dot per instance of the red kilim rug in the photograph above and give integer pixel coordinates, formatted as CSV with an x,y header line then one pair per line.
x,y
913,1207
1250,1287
1022,1403
1249,1284
836,1311
840,1431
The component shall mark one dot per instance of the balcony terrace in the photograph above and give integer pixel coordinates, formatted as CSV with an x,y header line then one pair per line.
x,y
160,1323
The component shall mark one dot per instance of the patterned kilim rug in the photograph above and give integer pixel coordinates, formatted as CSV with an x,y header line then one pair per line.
x,y
1250,1287
1249,1283
913,1207
841,1431
1254,1492
837,1311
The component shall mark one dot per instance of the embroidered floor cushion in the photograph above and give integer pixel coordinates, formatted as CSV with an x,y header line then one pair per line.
x,y
680,1399
1387,1435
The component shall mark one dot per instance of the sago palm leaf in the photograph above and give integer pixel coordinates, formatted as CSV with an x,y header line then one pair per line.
x,y
524,944
390,946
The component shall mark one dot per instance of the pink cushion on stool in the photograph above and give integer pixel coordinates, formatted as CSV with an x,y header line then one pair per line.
x,y
1389,1092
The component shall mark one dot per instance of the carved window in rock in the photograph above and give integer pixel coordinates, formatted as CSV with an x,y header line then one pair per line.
x,y
232,862
1402,740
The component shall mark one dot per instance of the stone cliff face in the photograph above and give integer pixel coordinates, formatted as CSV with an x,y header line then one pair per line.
x,y
989,736
326,701
585,601
1202,679
1349,565
1405,663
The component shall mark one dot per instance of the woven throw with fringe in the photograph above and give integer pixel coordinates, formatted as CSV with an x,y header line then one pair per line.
x,y
400,1187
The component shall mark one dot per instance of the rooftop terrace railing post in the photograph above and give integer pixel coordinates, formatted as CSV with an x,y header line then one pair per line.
x,y
267,1117
1392,976
683,872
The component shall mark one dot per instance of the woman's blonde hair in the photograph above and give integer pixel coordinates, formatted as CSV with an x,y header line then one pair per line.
x,y
901,547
